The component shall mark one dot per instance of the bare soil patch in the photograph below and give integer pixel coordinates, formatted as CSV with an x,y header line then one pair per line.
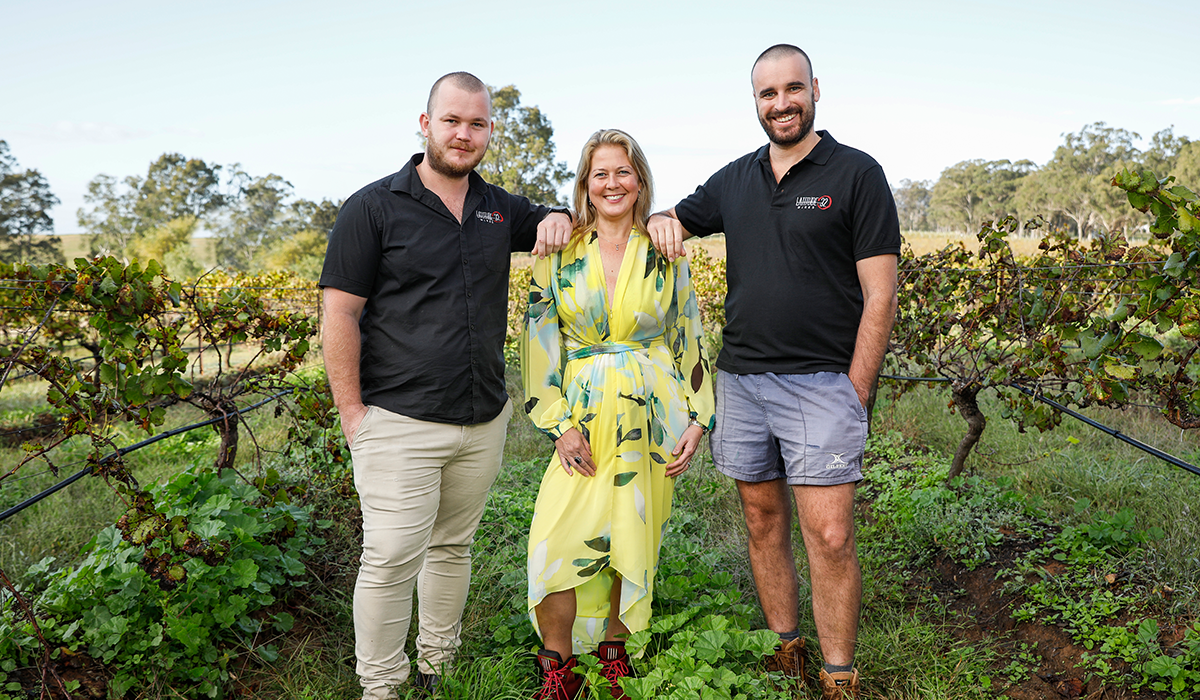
x,y
984,613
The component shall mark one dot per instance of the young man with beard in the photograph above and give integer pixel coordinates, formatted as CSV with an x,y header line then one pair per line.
x,y
416,298
812,240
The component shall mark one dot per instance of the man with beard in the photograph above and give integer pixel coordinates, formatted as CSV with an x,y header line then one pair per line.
x,y
812,239
416,298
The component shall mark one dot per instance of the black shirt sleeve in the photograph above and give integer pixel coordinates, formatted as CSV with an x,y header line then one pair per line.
x,y
354,250
876,225
700,212
526,217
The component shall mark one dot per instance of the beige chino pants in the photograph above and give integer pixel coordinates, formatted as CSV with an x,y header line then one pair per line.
x,y
423,487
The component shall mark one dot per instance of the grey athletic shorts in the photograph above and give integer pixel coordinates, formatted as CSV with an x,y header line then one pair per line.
x,y
807,428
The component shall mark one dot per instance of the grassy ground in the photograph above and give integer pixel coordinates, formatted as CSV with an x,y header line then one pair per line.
x,y
916,640
1076,464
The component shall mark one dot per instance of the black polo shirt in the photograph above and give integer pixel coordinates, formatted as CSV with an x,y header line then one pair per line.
x,y
794,301
437,292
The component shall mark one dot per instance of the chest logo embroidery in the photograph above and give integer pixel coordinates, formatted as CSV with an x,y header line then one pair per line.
x,y
491,217
823,202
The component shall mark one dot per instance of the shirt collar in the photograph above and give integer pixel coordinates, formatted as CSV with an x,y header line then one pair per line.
x,y
819,155
409,182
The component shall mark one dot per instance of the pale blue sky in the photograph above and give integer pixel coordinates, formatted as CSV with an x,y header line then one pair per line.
x,y
328,97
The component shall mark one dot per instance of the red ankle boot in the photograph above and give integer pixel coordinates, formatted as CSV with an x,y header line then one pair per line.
x,y
614,665
559,681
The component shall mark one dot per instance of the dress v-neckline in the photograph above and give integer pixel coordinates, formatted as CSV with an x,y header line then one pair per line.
x,y
618,288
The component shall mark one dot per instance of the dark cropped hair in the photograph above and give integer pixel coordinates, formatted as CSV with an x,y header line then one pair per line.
x,y
779,51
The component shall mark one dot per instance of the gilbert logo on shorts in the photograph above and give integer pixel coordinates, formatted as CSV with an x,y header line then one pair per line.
x,y
492,217
837,461
823,202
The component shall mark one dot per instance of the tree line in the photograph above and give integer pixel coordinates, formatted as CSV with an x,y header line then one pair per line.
x,y
1072,191
258,224
256,221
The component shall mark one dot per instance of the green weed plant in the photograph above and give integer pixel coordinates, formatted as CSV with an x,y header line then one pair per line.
x,y
184,630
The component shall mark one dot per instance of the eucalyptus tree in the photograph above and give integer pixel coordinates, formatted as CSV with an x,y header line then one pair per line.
x,y
912,204
973,191
1075,183
121,212
25,204
254,220
520,156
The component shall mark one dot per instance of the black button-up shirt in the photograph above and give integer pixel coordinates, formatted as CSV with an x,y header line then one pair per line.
x,y
437,292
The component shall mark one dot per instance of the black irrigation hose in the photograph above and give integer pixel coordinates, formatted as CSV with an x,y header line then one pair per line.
x,y
126,450
1114,433
1170,459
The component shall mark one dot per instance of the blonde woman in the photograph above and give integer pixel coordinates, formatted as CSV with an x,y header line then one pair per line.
x,y
615,372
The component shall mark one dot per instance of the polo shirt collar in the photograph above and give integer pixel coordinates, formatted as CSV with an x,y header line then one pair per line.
x,y
820,153
409,182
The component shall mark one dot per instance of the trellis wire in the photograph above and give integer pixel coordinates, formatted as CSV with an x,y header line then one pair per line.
x,y
126,450
1112,432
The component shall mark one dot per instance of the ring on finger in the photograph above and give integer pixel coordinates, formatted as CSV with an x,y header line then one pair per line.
x,y
578,460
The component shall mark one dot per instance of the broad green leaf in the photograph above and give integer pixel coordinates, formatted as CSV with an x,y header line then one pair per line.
x,y
1121,371
188,630
1174,265
283,621
243,573
710,645
1187,222
1184,193
1138,201
1148,348
668,623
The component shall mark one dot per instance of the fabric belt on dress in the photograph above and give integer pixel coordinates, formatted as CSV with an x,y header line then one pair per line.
x,y
614,346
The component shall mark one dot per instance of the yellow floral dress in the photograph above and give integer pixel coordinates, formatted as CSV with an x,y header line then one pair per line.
x,y
629,376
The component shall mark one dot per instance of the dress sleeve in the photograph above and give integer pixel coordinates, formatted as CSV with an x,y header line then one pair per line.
x,y
541,355
685,335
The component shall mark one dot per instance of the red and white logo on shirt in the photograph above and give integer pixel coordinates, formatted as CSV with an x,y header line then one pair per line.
x,y
823,202
491,217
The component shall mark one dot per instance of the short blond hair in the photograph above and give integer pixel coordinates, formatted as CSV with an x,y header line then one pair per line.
x,y
461,80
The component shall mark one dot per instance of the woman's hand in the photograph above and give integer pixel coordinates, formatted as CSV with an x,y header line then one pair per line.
x,y
685,449
575,453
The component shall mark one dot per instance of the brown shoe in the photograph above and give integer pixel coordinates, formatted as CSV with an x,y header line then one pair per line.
x,y
559,681
791,659
614,665
839,686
